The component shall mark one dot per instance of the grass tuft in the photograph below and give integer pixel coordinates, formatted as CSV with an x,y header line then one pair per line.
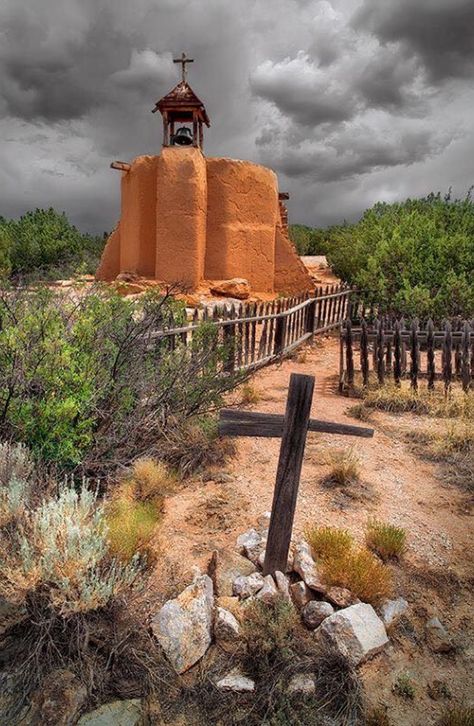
x,y
404,686
249,394
345,468
377,716
402,399
149,480
386,540
328,541
131,527
458,716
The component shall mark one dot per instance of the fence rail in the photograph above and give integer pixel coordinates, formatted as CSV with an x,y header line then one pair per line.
x,y
399,351
256,334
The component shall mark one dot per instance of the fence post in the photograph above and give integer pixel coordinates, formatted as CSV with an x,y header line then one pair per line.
x,y
364,352
466,378
414,354
430,354
279,331
349,353
380,352
447,349
397,353
311,318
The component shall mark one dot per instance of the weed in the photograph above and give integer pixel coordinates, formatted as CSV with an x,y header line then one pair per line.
x,y
360,411
345,468
458,716
249,394
149,479
328,541
385,540
131,525
377,716
453,447
404,686
395,399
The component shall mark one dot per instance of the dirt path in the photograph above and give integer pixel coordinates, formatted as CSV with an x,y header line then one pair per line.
x,y
397,486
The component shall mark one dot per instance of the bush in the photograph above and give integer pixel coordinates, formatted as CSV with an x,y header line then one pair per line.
x,y
385,540
44,244
413,258
83,384
16,468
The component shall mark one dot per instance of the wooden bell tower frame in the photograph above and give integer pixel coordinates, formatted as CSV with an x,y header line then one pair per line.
x,y
182,106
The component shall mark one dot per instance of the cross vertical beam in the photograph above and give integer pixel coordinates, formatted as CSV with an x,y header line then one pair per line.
x,y
295,428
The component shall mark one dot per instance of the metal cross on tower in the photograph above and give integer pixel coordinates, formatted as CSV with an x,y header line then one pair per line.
x,y
183,60
292,428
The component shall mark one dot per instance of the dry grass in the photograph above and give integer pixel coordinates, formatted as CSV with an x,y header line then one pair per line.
x,y
403,399
377,716
249,394
148,480
345,468
385,539
131,528
328,541
458,716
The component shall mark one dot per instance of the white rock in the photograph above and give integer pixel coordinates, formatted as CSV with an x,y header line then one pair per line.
x,y
183,625
315,612
438,637
237,682
301,593
305,566
247,585
269,593
391,610
356,632
118,713
302,683
251,544
226,625
282,586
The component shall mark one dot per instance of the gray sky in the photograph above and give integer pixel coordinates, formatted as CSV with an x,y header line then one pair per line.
x,y
350,101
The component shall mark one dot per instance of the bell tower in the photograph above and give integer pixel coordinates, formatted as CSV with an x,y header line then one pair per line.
x,y
182,106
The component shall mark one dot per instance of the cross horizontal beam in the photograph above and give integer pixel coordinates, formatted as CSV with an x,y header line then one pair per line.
x,y
233,422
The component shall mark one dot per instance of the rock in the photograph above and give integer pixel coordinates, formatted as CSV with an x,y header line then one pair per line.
x,y
391,610
269,593
224,568
302,684
282,586
59,701
263,522
340,596
251,544
183,625
315,612
236,287
118,713
245,586
356,632
226,626
232,604
301,594
305,566
237,682
438,637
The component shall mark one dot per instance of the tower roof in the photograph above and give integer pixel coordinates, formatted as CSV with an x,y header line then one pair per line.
x,y
181,99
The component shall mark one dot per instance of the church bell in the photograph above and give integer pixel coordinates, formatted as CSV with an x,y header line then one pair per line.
x,y
183,137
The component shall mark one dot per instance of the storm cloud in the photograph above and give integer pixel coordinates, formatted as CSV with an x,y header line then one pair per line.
x,y
350,101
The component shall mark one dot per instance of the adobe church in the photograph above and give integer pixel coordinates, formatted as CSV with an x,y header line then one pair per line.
x,y
189,219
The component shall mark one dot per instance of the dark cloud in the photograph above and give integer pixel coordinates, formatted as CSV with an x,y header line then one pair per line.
x,y
329,101
440,32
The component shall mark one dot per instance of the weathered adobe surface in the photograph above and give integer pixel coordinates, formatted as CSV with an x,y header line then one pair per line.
x,y
186,219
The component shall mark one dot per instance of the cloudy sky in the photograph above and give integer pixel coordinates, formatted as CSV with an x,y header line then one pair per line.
x,y
350,101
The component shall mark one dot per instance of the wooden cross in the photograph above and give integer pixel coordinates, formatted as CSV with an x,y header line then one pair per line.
x,y
183,60
292,428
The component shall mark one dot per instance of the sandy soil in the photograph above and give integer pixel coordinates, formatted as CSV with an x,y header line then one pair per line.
x,y
436,575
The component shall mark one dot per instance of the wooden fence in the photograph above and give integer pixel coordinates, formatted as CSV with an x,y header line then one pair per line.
x,y
397,351
256,334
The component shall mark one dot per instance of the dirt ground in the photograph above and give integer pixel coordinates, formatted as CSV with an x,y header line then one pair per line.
x,y
436,574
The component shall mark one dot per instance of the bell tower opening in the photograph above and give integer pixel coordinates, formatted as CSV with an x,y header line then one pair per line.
x,y
182,106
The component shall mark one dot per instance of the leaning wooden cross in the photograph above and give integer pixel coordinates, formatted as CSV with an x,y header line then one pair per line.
x,y
292,428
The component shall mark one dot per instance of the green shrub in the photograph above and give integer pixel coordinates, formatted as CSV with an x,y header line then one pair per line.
x,y
82,384
404,686
414,258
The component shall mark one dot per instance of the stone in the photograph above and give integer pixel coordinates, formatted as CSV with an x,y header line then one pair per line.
x,y
226,625
356,632
118,713
251,544
301,594
282,586
314,612
305,566
340,596
438,638
237,682
59,701
232,604
302,684
183,625
246,586
263,522
391,610
224,567
269,593
237,287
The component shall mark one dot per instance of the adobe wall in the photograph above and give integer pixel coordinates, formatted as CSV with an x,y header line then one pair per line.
x,y
291,276
137,221
242,213
181,212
